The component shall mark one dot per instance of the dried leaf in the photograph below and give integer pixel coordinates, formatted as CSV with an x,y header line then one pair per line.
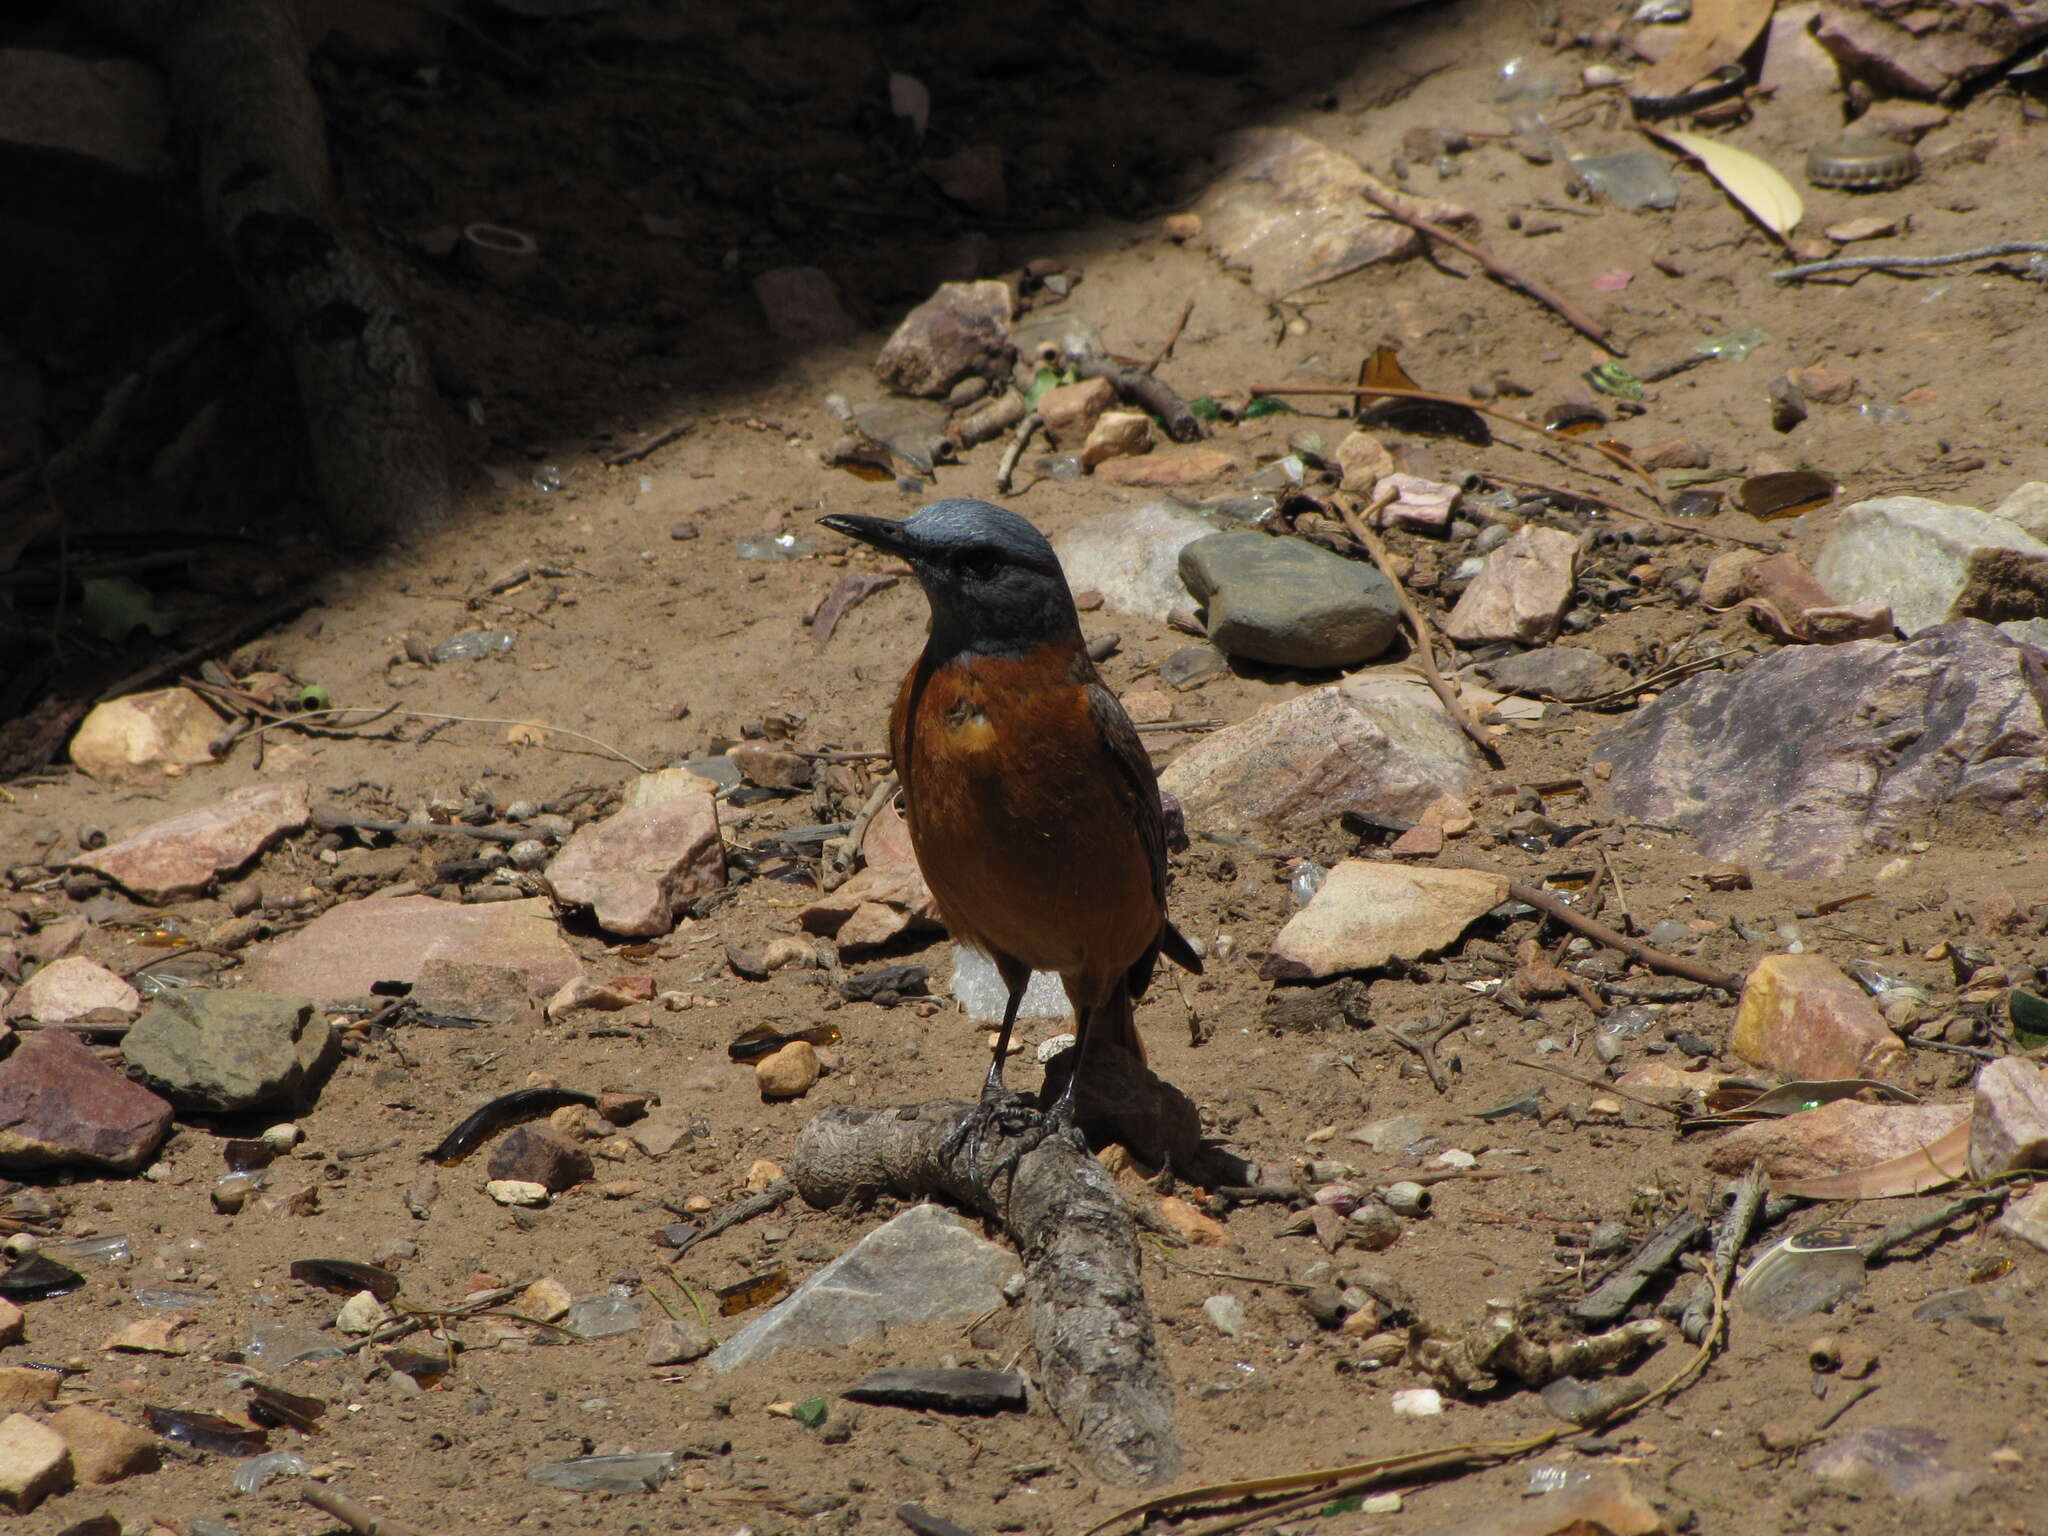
x,y
1718,33
1752,182
1941,1161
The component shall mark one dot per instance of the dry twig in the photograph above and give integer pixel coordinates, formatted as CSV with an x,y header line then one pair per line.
x,y
1548,297
1910,263
1425,639
1644,954
354,1514
1621,511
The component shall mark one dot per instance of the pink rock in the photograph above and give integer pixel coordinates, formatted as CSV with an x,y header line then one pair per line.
x,y
882,899
770,766
1418,842
69,989
179,858
638,869
348,949
1800,1015
1834,1138
1522,591
61,1106
1418,503
1377,745
962,329
2009,1118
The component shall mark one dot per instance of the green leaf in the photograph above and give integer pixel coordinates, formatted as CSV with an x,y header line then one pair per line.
x,y
1205,408
810,1412
1266,405
2029,1019
1350,1504
313,696
114,607
1044,381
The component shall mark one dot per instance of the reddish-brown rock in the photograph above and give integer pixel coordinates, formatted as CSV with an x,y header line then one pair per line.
x,y
638,869
538,1154
1194,465
180,857
61,1106
347,950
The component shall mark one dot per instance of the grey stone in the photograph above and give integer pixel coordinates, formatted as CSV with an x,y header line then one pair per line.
x,y
1559,671
1932,561
678,1341
2032,632
1815,756
1191,666
222,1051
1132,557
1908,1461
1226,1314
1380,745
923,1266
1289,602
962,329
61,1106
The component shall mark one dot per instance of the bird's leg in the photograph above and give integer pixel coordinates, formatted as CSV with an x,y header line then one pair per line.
x,y
998,1106
1064,1114
993,1087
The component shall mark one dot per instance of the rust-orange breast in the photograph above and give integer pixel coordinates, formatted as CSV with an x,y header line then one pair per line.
x,y
1020,818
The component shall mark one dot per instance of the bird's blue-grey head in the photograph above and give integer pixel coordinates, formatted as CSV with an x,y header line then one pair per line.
x,y
994,584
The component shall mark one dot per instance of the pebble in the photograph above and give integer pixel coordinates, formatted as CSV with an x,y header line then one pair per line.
x,y
517,1192
790,1072
1418,1403
1226,1314
362,1313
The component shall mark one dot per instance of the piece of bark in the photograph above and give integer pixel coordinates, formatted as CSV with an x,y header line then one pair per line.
x,y
1098,1355
239,83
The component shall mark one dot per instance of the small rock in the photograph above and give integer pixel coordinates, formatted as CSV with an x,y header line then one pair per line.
x,y
539,1154
1932,561
61,1106
2008,1118
1132,557
13,1323
222,1051
1556,671
883,899
1800,1015
178,858
361,1314
23,1386
1673,453
666,784
1070,411
1367,913
789,1073
127,736
1226,1315
1181,227
153,1335
516,1192
678,1341
2028,507
1521,592
103,1448
973,178
1417,1403
34,1463
1193,665
802,304
2027,1218
1167,467
947,1389
1116,435
1908,1461
1288,602
623,1106
1197,1228
638,869
962,329
547,1300
1424,505
1832,1137
480,994
1870,227
658,1134
1363,461
1418,842
785,953
71,988
762,1172
768,765
347,950
1147,706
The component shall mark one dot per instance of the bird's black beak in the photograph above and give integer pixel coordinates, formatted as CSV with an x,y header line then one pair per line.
x,y
885,533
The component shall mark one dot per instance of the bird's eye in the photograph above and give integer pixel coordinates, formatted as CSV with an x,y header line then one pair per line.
x,y
980,564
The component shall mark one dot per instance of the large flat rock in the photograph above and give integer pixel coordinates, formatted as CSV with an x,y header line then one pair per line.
x,y
1816,756
171,860
348,949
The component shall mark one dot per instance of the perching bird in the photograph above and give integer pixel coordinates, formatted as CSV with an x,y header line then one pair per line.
x,y
1032,805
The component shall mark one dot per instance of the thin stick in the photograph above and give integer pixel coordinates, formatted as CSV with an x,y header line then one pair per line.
x,y
1908,263
420,714
1425,639
768,1199
660,439
1729,1239
1616,507
1606,450
839,863
1900,1233
1644,954
1595,1084
331,818
1008,467
1620,896
357,1516
1549,298
1166,348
